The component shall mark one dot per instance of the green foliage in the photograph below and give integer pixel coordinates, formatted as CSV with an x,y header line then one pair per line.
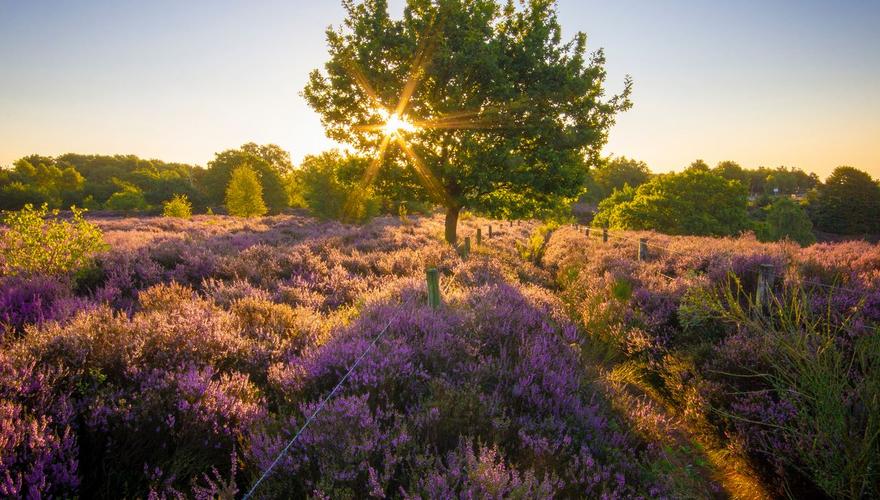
x,y
698,322
329,187
99,176
615,174
848,203
622,290
529,106
128,199
768,181
178,206
732,171
37,179
34,243
533,249
694,202
786,219
17,194
269,162
698,166
244,194
606,206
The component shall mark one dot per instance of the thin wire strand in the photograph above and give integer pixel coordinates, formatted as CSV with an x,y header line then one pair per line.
x,y
314,414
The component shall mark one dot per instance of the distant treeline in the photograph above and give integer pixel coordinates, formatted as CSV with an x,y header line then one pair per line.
x,y
620,193
727,199
126,183
132,184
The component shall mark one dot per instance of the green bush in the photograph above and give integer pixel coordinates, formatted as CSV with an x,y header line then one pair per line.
x,y
244,194
533,249
693,202
786,219
178,206
128,199
37,244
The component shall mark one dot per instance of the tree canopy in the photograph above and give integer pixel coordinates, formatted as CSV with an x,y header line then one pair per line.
x,y
848,203
786,219
615,173
268,163
244,194
326,181
506,117
694,202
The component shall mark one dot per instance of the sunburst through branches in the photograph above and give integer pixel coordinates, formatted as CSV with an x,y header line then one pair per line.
x,y
394,125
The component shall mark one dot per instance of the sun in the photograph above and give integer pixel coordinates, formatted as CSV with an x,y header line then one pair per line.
x,y
394,124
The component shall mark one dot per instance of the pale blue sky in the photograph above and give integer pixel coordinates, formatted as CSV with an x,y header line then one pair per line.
x,y
760,82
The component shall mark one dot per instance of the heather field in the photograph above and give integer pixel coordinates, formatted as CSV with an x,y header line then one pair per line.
x,y
186,357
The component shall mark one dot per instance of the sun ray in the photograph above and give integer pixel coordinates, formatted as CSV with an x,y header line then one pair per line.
x,y
423,55
462,124
430,181
352,68
367,179
395,125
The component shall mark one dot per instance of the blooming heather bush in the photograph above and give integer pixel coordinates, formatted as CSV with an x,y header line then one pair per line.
x,y
495,368
29,300
38,446
196,341
794,392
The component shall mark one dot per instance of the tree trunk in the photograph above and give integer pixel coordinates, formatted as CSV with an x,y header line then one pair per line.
x,y
452,224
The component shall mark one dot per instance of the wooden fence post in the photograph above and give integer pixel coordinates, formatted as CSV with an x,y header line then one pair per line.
x,y
604,235
765,284
490,230
643,249
479,236
466,247
587,231
433,276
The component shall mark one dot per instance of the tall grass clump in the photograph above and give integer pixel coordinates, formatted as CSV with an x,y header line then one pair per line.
x,y
816,406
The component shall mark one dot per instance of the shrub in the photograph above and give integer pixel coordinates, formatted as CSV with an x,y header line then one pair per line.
x,y
178,206
244,194
695,202
27,300
129,199
38,448
35,244
787,220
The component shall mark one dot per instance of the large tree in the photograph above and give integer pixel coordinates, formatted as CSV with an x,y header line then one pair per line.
x,y
848,203
615,173
244,194
506,117
269,164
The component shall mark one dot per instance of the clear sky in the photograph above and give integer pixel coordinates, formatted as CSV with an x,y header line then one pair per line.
x,y
761,82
